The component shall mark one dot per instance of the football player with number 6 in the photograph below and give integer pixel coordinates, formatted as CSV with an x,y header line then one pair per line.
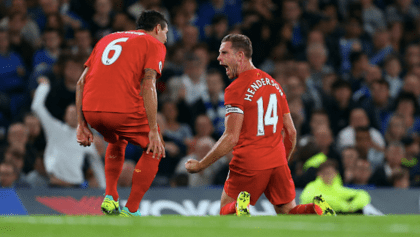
x,y
256,115
116,95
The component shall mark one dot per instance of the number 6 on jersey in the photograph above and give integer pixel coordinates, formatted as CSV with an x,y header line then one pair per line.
x,y
270,117
113,46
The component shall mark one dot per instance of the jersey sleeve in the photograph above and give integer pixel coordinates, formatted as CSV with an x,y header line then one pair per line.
x,y
155,57
234,101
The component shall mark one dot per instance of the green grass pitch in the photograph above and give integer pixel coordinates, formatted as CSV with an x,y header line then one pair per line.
x,y
215,226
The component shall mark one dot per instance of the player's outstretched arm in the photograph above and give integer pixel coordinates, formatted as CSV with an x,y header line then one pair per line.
x,y
84,135
233,126
150,104
290,135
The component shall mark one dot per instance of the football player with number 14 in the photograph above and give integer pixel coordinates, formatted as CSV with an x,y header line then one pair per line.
x,y
256,114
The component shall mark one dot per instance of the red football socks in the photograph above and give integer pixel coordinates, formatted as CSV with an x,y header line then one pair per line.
x,y
143,176
114,160
228,209
305,209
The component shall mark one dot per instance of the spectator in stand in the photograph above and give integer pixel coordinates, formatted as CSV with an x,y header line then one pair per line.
x,y
291,13
362,173
179,20
83,42
359,68
412,56
18,43
329,184
340,106
17,137
318,118
358,118
190,38
212,102
407,107
36,137
412,85
379,105
353,40
64,158
205,177
203,128
411,158
12,82
206,12
174,149
374,73
349,158
396,129
401,179
16,156
393,68
402,10
373,17
317,55
325,141
192,84
45,58
396,30
18,17
63,93
101,21
38,178
393,156
217,30
9,177
174,130
382,46
366,148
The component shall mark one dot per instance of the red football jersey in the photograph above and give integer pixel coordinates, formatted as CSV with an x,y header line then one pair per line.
x,y
262,101
116,68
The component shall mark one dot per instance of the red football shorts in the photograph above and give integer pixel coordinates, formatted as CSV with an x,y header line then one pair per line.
x,y
133,127
276,183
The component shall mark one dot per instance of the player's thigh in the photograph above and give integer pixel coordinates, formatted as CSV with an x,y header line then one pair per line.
x,y
252,181
281,188
105,123
134,128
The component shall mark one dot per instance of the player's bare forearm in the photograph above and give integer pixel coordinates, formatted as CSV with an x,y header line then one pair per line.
x,y
226,143
290,135
290,144
150,97
79,96
222,147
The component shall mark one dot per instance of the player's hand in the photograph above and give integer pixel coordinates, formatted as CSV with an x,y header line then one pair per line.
x,y
84,135
155,145
193,166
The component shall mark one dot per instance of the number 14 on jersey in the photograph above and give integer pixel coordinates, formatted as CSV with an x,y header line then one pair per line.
x,y
270,117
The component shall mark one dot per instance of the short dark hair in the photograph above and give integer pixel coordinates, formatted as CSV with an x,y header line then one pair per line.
x,y
362,129
240,42
328,163
381,82
149,19
356,56
341,84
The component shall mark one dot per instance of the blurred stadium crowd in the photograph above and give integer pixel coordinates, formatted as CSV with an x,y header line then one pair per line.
x,y
350,69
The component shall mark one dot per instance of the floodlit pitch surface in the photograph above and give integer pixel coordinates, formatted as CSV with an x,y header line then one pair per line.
x,y
214,226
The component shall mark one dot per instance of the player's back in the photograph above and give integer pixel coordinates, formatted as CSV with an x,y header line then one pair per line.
x,y
260,143
116,67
